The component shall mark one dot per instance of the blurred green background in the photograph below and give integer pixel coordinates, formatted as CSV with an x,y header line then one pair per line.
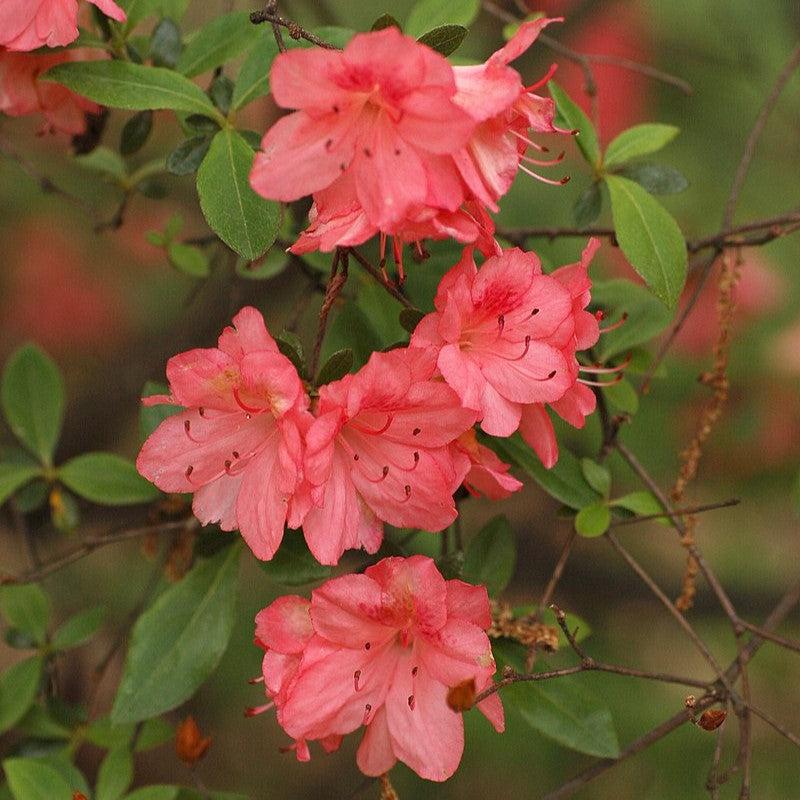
x,y
110,310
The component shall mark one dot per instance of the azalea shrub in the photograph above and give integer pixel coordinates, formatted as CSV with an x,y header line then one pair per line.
x,y
372,380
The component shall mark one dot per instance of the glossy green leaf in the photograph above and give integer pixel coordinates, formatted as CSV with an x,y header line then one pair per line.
x,y
385,21
32,779
567,711
597,476
622,396
246,222
120,84
656,178
135,132
429,14
564,481
649,237
593,520
32,395
153,732
26,607
491,556
445,39
573,118
588,206
18,687
293,564
189,259
178,642
641,504
14,476
166,44
79,629
103,159
39,724
290,345
640,140
107,479
219,41
155,793
115,774
268,266
186,158
646,316
336,367
253,79
410,318
138,10
351,328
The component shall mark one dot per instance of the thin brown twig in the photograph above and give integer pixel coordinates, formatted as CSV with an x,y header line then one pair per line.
x,y
773,723
789,644
676,512
387,285
336,282
294,30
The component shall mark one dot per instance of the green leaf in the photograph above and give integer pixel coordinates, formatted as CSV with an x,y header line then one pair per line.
x,y
656,178
115,774
565,710
593,520
588,206
640,140
268,266
386,21
293,564
445,39
166,44
642,504
564,481
221,92
219,41
150,417
154,793
154,733
622,395
597,476
649,237
336,367
253,80
64,511
137,10
104,160
26,607
188,259
31,779
571,116
290,345
429,14
18,687
135,132
491,556
352,328
646,316
246,222
410,318
32,395
79,629
186,158
38,724
120,84
178,642
106,479
14,476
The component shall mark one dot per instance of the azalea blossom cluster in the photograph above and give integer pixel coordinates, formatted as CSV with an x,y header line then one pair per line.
x,y
25,27
389,138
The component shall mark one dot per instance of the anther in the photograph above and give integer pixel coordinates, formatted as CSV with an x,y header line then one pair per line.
x,y
259,679
228,463
501,321
367,710
367,152
525,351
254,711
201,411
328,144
336,109
367,646
414,672
534,312
559,182
397,151
356,678
355,456
411,702
189,470
407,490
187,426
540,163
539,147
416,431
235,454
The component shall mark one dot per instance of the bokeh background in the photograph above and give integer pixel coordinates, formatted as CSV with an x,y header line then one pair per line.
x,y
110,310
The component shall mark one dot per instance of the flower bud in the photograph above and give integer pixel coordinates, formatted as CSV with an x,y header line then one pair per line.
x,y
190,745
711,719
461,697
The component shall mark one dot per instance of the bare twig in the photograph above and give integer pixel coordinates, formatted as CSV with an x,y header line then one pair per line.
x,y
337,280
269,14
558,570
789,644
676,512
376,274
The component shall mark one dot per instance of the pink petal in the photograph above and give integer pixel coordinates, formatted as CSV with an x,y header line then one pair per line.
x,y
375,755
536,429
526,35
285,625
520,372
492,709
306,79
464,375
468,602
203,378
110,9
248,334
216,502
500,415
457,652
269,380
576,405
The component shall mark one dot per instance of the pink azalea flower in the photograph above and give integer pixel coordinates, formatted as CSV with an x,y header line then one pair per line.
x,y
30,24
378,452
382,110
381,650
487,475
237,445
505,339
22,93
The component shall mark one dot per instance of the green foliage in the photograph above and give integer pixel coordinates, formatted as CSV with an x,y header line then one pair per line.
x,y
642,504
79,629
32,779
186,158
136,132
593,520
138,10
27,608
445,39
150,417
290,345
269,266
166,44
154,793
18,687
649,237
14,475
385,21
222,39
253,79
597,476
115,774
429,14
655,178
410,318
246,222
588,206
179,640
106,479
32,396
565,481
189,259
351,328
622,396
293,564
104,160
570,116
640,140
491,555
120,84
336,367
